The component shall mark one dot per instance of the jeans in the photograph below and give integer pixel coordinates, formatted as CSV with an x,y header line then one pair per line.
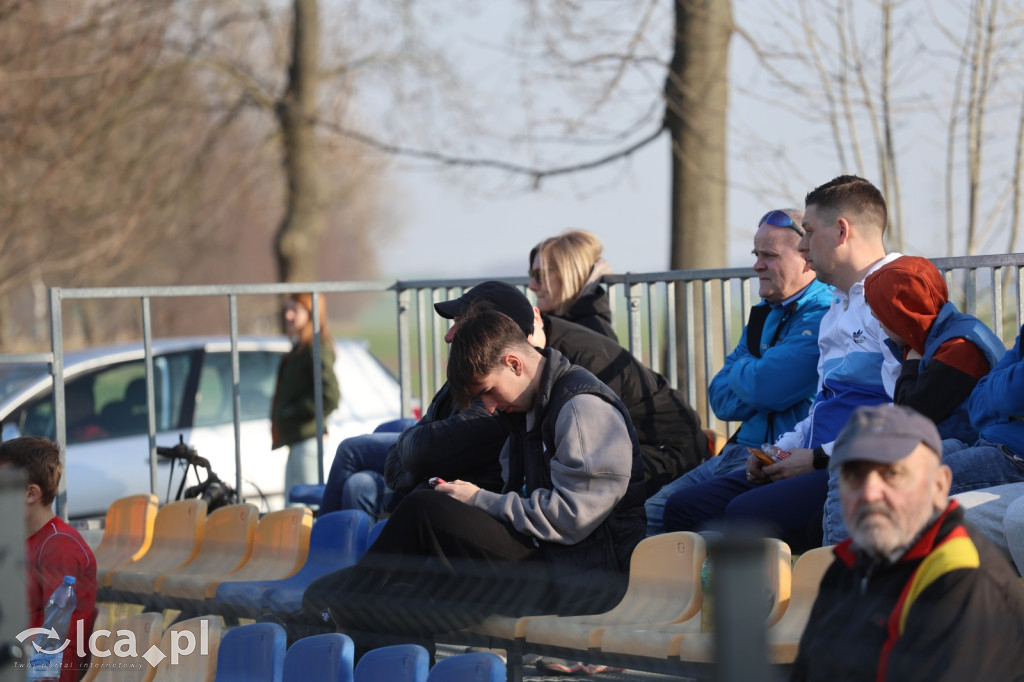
x,y
981,465
301,466
356,480
732,458
789,509
832,524
998,513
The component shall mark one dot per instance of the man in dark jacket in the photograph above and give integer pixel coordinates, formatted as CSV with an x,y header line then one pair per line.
x,y
914,594
669,430
558,538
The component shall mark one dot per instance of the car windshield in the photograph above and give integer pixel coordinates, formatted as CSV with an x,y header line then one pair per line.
x,y
13,377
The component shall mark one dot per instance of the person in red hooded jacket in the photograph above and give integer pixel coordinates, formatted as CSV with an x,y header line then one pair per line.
x,y
944,351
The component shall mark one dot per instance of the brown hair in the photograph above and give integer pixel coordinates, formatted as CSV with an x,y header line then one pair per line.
x,y
572,255
484,336
306,333
39,458
854,195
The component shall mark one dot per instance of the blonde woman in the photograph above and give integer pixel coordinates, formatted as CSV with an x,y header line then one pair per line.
x,y
564,275
293,412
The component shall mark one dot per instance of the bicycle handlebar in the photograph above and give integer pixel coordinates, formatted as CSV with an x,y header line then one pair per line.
x,y
184,452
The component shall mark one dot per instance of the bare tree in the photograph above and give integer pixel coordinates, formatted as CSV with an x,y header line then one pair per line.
x,y
884,73
134,131
304,221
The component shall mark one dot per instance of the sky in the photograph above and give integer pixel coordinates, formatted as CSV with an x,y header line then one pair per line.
x,y
453,229
450,231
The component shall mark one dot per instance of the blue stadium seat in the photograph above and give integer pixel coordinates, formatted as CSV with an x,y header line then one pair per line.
x,y
306,493
320,658
477,666
398,663
252,653
337,540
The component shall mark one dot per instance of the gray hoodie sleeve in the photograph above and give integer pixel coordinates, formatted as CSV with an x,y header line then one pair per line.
x,y
589,473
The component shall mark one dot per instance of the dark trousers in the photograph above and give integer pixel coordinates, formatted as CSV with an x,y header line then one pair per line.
x,y
438,565
790,509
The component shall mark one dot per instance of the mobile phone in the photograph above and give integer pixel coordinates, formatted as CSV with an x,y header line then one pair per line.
x,y
434,480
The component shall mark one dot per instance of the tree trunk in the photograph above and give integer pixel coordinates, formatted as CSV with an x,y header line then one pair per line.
x,y
305,220
696,100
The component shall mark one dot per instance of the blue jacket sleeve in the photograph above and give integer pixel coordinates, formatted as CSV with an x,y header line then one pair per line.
x,y
724,401
786,373
999,395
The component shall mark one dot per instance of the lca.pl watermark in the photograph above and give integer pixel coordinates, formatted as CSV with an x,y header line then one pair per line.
x,y
124,647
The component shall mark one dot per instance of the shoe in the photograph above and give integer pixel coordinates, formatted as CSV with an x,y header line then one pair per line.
x,y
561,666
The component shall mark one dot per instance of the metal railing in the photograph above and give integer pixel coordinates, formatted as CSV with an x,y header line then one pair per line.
x,y
714,303
645,308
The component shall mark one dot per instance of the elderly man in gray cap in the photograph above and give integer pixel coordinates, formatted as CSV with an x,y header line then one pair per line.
x,y
914,594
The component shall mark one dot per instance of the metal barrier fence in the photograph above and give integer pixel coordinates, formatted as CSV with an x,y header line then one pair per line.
x,y
645,307
714,304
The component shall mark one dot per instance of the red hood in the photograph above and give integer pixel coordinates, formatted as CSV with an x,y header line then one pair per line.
x,y
906,295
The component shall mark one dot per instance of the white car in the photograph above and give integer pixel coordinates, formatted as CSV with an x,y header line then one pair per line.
x,y
107,420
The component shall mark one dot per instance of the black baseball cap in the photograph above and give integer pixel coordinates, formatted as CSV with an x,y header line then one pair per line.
x,y
502,297
885,434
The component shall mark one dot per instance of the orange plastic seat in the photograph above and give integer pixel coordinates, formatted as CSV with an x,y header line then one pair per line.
x,y
146,629
716,441
177,535
664,587
700,648
227,541
102,622
784,636
196,641
127,533
666,639
279,549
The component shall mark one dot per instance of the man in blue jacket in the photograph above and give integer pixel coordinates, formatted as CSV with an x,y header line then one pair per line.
x,y
993,467
770,378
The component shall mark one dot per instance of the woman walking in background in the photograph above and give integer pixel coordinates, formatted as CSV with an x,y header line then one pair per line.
x,y
293,412
564,275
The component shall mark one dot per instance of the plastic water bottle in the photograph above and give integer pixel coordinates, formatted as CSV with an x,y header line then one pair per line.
x,y
707,609
44,666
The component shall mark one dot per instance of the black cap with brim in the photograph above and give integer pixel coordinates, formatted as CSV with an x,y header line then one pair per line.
x,y
884,434
502,297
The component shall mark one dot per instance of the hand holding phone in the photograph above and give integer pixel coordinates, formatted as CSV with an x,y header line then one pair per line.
x,y
434,481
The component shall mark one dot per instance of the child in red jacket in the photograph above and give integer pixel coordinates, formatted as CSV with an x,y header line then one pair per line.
x,y
53,548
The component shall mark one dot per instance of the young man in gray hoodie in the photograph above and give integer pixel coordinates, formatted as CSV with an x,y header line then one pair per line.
x,y
557,539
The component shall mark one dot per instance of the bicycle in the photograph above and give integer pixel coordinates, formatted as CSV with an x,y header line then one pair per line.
x,y
210,488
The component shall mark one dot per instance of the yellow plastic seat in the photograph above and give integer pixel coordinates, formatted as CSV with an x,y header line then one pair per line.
x,y
146,629
665,640
227,541
127,533
784,636
177,536
197,663
664,587
102,622
279,549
